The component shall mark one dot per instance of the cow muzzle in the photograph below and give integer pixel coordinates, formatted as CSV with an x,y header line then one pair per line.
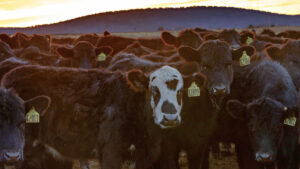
x,y
219,91
263,157
170,121
11,156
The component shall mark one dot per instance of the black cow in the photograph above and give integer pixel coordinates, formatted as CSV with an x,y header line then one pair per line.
x,y
88,117
288,56
84,55
187,37
12,125
199,113
262,97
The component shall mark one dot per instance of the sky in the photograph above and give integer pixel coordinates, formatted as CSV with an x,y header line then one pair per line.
x,y
22,13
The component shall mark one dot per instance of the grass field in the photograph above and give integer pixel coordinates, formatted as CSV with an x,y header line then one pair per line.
x,y
276,29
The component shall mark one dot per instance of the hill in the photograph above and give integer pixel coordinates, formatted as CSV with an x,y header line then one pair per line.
x,y
149,20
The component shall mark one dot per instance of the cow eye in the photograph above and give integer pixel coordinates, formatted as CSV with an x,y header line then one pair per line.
x,y
155,94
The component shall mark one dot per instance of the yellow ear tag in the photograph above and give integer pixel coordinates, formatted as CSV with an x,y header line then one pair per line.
x,y
32,116
245,59
101,57
291,121
249,40
193,90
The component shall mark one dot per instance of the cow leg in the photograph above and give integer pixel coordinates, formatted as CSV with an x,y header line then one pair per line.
x,y
197,156
111,157
167,155
84,164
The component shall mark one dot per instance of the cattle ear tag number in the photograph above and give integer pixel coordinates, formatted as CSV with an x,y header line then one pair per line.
x,y
32,116
101,57
290,121
193,90
245,59
249,40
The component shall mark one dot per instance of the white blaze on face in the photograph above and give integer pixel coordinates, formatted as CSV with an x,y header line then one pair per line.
x,y
165,86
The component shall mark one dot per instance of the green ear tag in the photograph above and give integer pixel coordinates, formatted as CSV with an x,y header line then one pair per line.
x,y
32,116
101,57
245,59
291,121
193,90
249,40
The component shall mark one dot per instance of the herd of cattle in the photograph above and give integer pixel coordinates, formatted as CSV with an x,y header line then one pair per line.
x,y
143,100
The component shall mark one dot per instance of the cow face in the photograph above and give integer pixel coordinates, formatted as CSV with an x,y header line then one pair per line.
x,y
215,61
164,91
265,121
232,37
12,127
166,86
289,57
186,37
84,55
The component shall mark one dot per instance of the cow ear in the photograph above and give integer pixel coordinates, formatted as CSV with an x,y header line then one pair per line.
x,y
137,80
247,37
236,109
40,103
169,39
48,37
238,53
211,37
65,52
189,54
107,50
274,53
198,78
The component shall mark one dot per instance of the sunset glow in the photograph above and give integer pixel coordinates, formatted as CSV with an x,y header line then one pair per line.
x,y
21,13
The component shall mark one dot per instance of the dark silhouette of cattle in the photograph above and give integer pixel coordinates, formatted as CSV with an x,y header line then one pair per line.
x,y
89,124
187,37
40,41
92,38
12,131
268,32
85,55
118,43
231,36
288,56
5,51
262,97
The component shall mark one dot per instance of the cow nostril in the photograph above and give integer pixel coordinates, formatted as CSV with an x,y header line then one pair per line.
x,y
263,157
219,90
168,108
12,156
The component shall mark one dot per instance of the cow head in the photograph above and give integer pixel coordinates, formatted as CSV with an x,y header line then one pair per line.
x,y
187,37
265,119
164,91
215,61
85,55
289,57
12,127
